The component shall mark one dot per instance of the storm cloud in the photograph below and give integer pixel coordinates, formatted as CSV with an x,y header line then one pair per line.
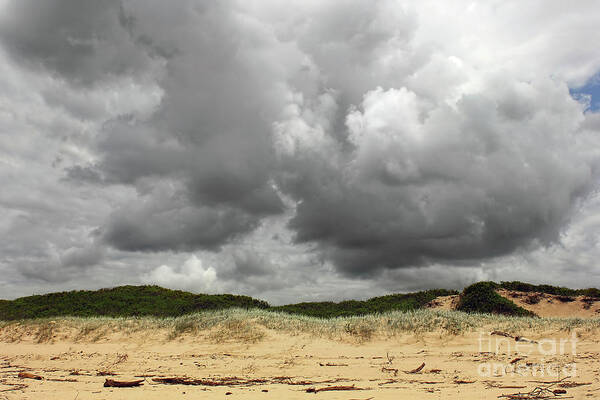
x,y
247,145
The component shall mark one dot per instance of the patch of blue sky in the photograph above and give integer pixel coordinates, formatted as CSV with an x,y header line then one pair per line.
x,y
589,94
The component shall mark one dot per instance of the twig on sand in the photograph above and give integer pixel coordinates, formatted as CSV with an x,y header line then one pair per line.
x,y
227,381
27,375
105,373
237,381
391,370
416,370
500,333
573,384
540,393
113,383
331,388
517,338
332,365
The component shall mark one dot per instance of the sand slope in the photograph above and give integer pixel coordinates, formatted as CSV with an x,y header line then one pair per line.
x,y
548,305
542,304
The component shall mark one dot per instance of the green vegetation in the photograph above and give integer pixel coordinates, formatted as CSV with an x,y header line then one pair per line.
x,y
482,298
555,290
393,302
126,301
139,301
123,301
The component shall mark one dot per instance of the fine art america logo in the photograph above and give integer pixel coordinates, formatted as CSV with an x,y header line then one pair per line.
x,y
527,357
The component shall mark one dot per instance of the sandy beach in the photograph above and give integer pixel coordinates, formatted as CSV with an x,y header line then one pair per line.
x,y
74,364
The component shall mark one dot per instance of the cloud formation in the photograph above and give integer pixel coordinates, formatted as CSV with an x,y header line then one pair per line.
x,y
360,140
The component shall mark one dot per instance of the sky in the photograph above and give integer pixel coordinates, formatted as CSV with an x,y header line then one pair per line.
x,y
300,150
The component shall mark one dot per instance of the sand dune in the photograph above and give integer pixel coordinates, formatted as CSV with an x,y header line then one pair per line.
x,y
75,362
542,304
548,305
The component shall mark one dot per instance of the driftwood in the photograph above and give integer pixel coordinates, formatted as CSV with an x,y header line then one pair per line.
x,y
332,388
332,365
227,381
573,384
540,393
236,381
113,383
416,370
27,375
392,370
524,339
517,338
62,380
500,333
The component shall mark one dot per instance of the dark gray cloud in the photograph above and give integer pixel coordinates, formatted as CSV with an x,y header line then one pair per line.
x,y
83,41
262,147
165,221
466,183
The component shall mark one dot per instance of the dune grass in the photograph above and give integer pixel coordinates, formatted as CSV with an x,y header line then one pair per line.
x,y
251,326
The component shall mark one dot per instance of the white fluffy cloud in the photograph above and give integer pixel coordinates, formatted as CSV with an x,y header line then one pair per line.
x,y
190,275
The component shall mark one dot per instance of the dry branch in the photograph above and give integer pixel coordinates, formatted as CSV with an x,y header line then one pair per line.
x,y
540,393
392,370
105,373
416,370
27,375
332,388
500,333
113,383
573,384
227,381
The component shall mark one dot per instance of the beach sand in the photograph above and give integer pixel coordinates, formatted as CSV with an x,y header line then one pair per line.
x,y
471,365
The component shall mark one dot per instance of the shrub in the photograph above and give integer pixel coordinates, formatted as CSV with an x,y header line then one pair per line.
x,y
393,302
123,301
482,298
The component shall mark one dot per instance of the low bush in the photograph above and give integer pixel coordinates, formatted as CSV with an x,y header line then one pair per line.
x,y
482,298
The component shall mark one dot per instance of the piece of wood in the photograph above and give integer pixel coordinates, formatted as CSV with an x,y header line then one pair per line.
x,y
332,388
27,375
113,383
500,333
416,370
